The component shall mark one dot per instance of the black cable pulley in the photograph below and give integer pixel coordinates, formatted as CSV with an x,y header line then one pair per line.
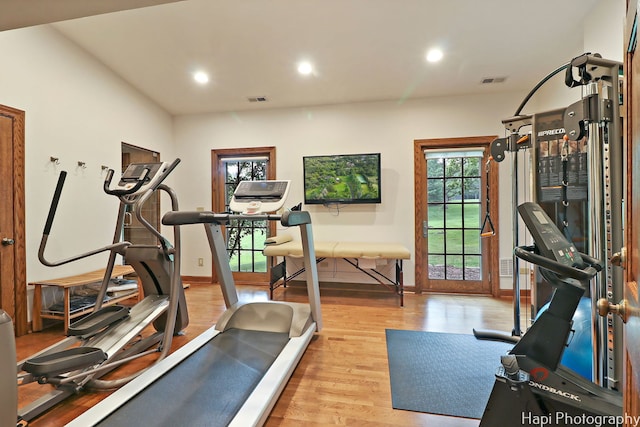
x,y
487,224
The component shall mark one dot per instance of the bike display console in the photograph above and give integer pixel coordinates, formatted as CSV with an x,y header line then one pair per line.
x,y
549,241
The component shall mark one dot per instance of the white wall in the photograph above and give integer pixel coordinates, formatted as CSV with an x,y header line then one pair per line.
x,y
604,30
76,110
386,127
603,34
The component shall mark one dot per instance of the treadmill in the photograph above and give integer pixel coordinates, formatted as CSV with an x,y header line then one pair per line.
x,y
233,373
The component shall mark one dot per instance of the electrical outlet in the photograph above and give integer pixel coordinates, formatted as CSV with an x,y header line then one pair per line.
x,y
200,262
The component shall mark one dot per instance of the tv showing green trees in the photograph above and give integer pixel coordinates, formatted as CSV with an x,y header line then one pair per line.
x,y
342,178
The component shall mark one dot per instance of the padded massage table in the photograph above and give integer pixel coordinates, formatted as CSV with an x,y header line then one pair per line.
x,y
357,254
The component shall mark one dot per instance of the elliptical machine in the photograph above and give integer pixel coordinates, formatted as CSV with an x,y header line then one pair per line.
x,y
109,336
531,387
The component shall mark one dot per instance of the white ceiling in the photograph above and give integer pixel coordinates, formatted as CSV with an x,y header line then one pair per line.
x,y
363,50
26,13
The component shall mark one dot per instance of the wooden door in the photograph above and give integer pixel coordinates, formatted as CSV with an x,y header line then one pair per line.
x,y
13,286
631,352
134,231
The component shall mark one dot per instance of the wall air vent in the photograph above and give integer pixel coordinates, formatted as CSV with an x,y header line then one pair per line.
x,y
257,99
490,80
506,267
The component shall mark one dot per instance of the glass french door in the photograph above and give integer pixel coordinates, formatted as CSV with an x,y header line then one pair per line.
x,y
451,255
453,215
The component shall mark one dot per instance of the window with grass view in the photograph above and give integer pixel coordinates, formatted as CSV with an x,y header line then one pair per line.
x,y
245,239
454,214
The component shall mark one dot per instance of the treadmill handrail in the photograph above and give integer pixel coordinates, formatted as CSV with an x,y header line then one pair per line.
x,y
288,219
593,265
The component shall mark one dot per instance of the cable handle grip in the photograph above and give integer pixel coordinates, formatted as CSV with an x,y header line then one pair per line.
x,y
54,203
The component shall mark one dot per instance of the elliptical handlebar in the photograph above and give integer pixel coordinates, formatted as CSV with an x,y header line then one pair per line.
x,y
143,179
148,180
54,203
593,266
124,192
47,229
166,173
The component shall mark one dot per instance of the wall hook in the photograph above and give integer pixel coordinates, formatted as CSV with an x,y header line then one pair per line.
x,y
82,165
54,160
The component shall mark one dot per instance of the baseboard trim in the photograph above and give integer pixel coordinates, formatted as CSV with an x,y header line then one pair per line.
x,y
508,293
197,279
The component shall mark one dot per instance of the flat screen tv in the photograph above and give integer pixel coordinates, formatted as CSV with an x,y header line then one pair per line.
x,y
342,178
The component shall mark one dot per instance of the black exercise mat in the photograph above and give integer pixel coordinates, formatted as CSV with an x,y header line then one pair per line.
x,y
438,373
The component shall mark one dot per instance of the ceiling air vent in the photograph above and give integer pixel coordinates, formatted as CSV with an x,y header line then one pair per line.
x,y
257,99
490,80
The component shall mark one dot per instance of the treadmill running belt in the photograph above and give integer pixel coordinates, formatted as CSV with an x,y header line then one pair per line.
x,y
209,387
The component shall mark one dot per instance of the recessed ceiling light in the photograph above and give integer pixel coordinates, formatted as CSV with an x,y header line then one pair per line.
x,y
305,68
201,77
434,55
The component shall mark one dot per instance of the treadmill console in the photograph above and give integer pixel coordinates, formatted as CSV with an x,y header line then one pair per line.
x,y
549,241
253,197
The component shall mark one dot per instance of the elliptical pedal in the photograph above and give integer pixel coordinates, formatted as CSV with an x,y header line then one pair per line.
x,y
64,361
98,320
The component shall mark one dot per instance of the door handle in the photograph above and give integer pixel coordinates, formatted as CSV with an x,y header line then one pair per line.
x,y
7,242
622,309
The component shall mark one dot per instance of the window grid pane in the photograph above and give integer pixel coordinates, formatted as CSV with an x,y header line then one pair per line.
x,y
453,216
245,239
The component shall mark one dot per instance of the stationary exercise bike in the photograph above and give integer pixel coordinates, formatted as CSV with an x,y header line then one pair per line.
x,y
112,335
531,386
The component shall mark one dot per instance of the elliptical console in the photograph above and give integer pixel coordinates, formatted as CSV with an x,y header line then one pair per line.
x,y
138,178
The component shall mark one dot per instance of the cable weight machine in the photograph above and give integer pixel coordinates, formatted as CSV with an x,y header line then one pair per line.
x,y
587,131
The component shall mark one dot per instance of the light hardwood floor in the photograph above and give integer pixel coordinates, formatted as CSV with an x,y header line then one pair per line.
x,y
343,378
